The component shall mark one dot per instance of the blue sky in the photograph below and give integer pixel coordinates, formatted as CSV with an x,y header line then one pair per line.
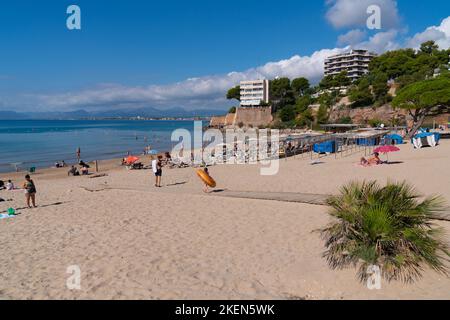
x,y
139,53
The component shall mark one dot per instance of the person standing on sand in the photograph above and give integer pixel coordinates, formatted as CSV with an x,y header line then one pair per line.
x,y
205,189
78,154
30,191
157,170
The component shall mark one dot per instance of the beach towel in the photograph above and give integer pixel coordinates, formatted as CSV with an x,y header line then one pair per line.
x,y
155,166
5,216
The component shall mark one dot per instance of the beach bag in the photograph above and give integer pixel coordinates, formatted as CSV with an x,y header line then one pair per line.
x,y
155,166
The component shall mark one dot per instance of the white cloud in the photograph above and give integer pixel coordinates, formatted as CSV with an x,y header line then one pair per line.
x,y
440,34
353,13
208,91
381,42
352,37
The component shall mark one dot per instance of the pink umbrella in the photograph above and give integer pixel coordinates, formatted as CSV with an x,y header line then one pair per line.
x,y
386,149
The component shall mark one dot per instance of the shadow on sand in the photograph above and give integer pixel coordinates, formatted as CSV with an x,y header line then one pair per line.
x,y
42,206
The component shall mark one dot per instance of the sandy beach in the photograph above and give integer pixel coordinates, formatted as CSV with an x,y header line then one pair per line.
x,y
134,241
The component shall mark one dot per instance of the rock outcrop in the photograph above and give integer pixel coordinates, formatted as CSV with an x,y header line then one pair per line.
x,y
385,114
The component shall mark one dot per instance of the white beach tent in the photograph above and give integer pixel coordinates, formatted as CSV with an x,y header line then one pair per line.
x,y
425,139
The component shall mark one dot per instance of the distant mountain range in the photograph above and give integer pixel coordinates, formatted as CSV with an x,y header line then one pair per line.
x,y
125,113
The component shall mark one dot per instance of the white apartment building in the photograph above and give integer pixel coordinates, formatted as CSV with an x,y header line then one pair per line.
x,y
254,92
355,62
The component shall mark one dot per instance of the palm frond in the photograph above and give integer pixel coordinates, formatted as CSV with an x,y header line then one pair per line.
x,y
388,226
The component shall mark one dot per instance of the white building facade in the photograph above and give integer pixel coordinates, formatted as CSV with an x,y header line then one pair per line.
x,y
255,92
355,62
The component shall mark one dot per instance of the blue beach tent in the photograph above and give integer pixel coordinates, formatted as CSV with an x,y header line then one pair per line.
x,y
393,139
325,147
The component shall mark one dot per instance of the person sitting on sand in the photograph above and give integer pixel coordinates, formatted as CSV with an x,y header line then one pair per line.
x,y
167,157
10,185
73,172
61,164
84,171
83,164
30,191
375,160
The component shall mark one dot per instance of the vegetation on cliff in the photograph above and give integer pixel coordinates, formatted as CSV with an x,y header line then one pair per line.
x,y
424,98
408,69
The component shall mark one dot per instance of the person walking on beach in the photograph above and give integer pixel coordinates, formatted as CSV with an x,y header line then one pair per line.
x,y
78,154
205,189
157,170
30,191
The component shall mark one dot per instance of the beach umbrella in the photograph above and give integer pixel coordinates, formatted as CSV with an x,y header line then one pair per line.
x,y
131,159
386,150
153,152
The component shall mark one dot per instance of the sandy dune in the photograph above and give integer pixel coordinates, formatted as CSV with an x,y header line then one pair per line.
x,y
133,241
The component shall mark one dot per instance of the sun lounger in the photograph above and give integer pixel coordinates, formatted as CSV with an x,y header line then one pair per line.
x,y
135,166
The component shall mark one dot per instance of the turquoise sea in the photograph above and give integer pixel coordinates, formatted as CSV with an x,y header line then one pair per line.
x,y
40,143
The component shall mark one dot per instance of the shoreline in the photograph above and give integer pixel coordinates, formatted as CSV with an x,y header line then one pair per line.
x,y
103,166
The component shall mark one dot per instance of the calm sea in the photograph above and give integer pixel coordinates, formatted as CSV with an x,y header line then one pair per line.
x,y
41,143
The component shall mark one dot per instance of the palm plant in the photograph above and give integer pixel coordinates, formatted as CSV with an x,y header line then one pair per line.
x,y
390,227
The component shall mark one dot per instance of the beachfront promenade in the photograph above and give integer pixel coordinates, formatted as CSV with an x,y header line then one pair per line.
x,y
132,240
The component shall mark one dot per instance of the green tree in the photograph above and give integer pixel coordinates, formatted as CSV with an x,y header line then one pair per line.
x,y
380,87
374,123
322,114
305,119
287,113
326,82
361,95
234,93
232,110
342,79
429,47
279,88
300,86
335,81
407,62
345,120
394,63
389,227
302,103
281,93
424,98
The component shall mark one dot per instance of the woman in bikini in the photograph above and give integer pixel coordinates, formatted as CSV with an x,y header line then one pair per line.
x,y
375,160
30,191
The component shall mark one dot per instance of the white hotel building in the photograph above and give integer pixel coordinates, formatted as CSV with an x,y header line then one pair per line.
x,y
355,62
254,92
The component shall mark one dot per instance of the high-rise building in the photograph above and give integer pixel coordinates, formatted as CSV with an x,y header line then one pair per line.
x,y
253,93
355,62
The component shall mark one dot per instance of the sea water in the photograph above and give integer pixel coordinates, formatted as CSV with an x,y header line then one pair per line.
x,y
41,143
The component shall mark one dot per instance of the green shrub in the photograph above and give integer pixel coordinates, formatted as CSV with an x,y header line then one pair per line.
x,y
390,227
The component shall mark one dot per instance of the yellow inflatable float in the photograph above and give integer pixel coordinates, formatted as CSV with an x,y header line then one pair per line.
x,y
206,178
